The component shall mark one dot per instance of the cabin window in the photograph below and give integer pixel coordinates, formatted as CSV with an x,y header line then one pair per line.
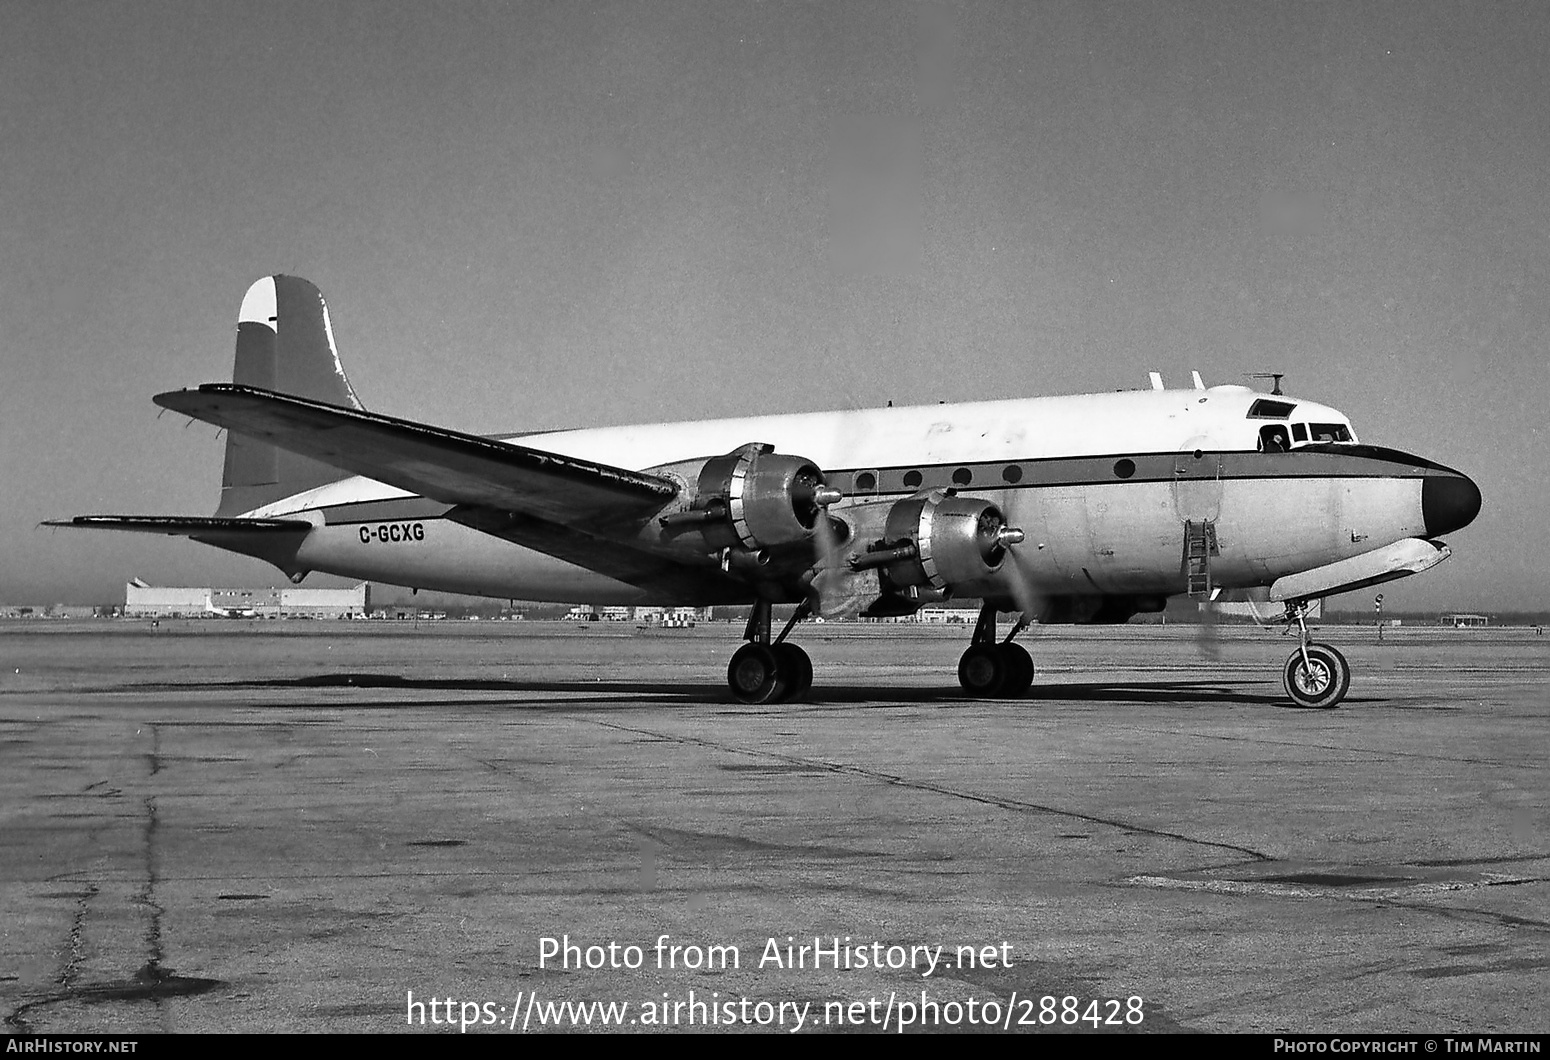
x,y
912,479
1124,468
1265,409
1012,473
1330,432
866,482
1299,432
1274,439
963,476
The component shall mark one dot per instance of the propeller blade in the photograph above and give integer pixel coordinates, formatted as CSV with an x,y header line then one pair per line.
x,y
1027,601
1207,635
830,571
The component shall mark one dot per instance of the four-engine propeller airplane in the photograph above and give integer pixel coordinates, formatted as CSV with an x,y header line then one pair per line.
x,y
1088,508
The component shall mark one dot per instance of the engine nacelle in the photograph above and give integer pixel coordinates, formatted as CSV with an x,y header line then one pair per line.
x,y
754,499
939,541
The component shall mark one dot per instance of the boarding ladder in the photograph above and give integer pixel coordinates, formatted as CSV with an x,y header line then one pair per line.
x,y
1199,547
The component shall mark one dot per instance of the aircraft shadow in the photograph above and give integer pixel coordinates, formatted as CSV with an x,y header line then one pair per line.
x,y
625,694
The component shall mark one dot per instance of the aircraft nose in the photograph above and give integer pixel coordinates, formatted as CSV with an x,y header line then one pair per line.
x,y
1449,502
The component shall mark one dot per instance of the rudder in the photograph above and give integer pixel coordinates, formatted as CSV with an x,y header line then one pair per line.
x,y
285,343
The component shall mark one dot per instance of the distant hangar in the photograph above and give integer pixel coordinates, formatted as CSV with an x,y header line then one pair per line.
x,y
164,601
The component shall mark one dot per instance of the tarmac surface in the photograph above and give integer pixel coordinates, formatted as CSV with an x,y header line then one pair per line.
x,y
257,826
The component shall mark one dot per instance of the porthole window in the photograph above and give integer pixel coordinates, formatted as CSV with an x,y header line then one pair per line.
x,y
1125,468
866,481
1012,473
963,476
912,479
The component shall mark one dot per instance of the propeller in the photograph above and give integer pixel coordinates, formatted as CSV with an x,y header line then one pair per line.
x,y
1000,542
830,572
1028,603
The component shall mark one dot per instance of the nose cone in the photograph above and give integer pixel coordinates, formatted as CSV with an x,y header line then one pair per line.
x,y
1449,502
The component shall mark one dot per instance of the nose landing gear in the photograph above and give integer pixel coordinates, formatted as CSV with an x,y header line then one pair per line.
x,y
995,671
1315,675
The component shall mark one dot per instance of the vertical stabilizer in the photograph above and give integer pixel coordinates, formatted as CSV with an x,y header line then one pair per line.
x,y
285,343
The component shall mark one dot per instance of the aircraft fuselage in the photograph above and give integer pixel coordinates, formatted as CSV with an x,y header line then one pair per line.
x,y
1103,486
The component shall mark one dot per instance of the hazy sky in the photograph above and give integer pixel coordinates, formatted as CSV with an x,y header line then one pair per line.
x,y
547,215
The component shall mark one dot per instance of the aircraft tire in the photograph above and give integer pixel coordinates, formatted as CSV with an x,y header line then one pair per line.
x,y
1325,685
982,671
1019,670
754,675
796,670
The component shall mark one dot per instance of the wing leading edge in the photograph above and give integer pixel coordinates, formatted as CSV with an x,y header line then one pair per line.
x,y
434,462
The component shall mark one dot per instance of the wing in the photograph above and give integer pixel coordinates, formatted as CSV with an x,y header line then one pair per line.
x,y
443,465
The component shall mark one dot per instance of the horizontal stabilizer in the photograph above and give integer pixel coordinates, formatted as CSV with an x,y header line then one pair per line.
x,y
184,525
433,462
274,541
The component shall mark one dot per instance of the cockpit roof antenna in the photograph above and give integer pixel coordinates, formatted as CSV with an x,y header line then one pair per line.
x,y
1276,376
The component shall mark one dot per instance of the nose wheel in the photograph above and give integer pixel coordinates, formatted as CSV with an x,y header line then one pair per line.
x,y
1315,675
989,670
766,670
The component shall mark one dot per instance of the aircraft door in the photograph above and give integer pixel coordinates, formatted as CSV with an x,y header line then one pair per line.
x,y
1197,486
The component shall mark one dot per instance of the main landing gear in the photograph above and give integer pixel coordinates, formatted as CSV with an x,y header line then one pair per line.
x,y
991,670
1316,675
766,670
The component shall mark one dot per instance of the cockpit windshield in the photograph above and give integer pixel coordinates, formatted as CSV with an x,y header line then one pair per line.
x,y
1330,432
1281,437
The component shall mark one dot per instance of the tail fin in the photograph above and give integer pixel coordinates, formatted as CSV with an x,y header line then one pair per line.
x,y
284,343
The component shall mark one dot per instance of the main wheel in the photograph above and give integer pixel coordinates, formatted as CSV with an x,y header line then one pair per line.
x,y
754,675
1322,681
1019,670
982,670
796,670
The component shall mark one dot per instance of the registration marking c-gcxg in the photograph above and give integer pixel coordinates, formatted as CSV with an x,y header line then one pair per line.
x,y
386,532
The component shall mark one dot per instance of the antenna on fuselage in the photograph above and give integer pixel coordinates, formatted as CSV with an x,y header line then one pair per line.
x,y
1275,376
1157,383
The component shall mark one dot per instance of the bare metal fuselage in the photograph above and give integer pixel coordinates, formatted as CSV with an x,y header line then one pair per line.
x,y
1103,485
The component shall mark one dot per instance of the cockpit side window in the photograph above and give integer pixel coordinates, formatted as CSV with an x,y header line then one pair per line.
x,y
1299,432
1330,432
1274,439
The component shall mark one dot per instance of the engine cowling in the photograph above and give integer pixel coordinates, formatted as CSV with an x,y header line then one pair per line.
x,y
754,499
938,541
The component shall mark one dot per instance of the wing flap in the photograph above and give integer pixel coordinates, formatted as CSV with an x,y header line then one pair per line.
x,y
667,579
444,465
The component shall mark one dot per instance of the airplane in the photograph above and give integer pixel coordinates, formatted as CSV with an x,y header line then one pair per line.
x,y
216,611
1089,508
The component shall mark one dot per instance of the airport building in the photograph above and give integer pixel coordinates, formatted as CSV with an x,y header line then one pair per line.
x,y
1463,620
944,616
53,611
163,601
666,617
